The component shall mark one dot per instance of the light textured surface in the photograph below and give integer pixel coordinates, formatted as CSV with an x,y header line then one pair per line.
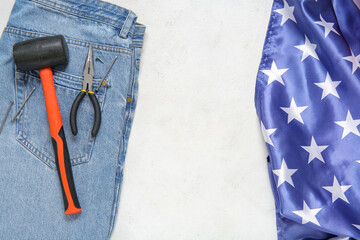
x,y
196,162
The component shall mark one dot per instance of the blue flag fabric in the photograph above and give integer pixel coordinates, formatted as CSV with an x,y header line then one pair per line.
x,y
308,102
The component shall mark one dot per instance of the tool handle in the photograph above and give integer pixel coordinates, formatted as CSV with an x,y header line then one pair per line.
x,y
62,157
97,111
73,111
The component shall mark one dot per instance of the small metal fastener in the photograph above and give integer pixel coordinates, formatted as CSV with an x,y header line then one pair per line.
x,y
27,98
98,59
104,83
6,115
128,99
107,72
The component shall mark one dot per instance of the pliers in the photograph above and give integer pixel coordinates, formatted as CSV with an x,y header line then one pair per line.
x,y
87,87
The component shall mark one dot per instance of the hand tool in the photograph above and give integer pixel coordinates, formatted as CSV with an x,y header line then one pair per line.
x,y
86,88
107,72
6,115
27,98
42,53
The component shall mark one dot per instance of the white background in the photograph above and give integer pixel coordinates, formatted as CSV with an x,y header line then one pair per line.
x,y
196,162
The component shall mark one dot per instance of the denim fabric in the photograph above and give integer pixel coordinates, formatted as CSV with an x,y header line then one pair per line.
x,y
31,204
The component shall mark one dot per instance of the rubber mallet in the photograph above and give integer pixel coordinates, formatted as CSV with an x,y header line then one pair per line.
x,y
44,53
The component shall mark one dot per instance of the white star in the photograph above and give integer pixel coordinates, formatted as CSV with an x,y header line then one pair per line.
x,y
357,226
267,133
339,238
287,13
357,3
315,151
284,174
328,87
354,60
294,111
307,214
308,49
275,74
328,26
349,125
337,191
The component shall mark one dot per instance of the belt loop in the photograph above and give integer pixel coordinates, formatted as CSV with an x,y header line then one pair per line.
x,y
130,19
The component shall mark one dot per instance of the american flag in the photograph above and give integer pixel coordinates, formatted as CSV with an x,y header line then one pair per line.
x,y
308,101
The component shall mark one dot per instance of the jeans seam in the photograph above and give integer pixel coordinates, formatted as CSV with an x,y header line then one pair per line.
x,y
118,173
33,152
63,79
107,10
91,140
71,41
16,99
119,168
131,90
20,125
137,43
76,14
48,161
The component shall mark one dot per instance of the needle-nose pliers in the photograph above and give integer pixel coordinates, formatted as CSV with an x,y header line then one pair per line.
x,y
87,87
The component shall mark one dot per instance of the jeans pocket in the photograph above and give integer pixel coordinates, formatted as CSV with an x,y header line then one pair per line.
x,y
32,122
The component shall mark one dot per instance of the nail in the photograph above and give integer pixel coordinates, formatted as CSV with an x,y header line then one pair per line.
x,y
6,115
27,98
98,59
107,72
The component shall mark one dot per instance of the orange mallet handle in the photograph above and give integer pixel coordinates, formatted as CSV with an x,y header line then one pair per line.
x,y
62,157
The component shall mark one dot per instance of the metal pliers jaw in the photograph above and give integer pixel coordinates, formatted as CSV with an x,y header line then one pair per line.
x,y
87,88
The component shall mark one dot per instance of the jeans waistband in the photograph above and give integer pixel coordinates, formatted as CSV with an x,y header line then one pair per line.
x,y
98,11
138,35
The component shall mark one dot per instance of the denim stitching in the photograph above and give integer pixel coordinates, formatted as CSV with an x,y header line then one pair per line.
x,y
90,144
121,149
47,160
36,150
41,159
57,9
117,186
67,75
134,74
131,89
116,197
124,25
127,117
103,47
137,43
61,79
127,112
112,11
17,100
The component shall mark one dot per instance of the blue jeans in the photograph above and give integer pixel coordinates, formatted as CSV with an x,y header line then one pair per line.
x,y
31,203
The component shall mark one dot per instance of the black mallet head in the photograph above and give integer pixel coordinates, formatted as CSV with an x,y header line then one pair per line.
x,y
41,53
